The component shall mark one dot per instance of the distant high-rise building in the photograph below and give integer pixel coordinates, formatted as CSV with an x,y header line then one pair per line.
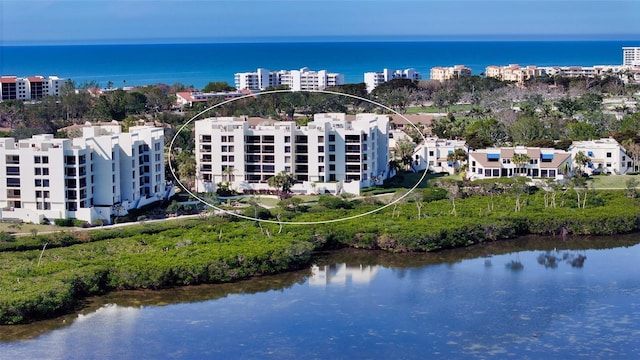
x,y
303,79
29,88
446,73
631,56
373,79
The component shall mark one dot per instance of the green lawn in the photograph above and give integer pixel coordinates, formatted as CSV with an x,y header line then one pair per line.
x,y
16,228
612,181
433,109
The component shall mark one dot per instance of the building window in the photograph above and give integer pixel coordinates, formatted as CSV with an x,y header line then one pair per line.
x,y
287,149
608,154
321,169
320,159
332,167
332,147
320,149
332,157
431,153
332,137
287,139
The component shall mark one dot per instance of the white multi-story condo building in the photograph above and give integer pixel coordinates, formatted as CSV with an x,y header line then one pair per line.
x,y
631,56
330,154
446,73
297,80
432,155
498,162
373,79
606,155
102,174
29,88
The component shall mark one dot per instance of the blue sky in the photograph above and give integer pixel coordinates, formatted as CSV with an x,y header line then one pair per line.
x,y
56,21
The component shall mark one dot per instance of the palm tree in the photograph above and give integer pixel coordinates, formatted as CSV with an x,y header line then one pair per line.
x,y
404,152
520,160
581,160
457,157
282,182
633,151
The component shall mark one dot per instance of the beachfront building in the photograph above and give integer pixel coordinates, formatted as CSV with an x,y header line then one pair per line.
x,y
297,80
432,155
513,72
500,162
589,71
333,153
29,88
607,156
446,73
373,79
102,174
631,55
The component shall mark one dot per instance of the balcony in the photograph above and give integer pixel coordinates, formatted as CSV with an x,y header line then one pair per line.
x,y
352,139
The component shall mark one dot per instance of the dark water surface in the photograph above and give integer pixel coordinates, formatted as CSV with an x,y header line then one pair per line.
x,y
528,298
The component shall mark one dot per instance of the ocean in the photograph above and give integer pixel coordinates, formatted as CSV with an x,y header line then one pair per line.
x,y
197,64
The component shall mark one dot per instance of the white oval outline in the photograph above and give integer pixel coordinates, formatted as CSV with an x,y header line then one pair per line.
x,y
292,222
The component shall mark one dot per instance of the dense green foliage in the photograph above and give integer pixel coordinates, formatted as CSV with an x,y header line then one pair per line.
x,y
37,283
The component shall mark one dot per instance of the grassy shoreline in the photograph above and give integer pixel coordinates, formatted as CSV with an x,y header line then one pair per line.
x,y
36,284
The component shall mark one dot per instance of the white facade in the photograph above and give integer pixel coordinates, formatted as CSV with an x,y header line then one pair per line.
x,y
330,154
432,155
498,162
373,79
29,88
631,56
102,174
297,80
606,154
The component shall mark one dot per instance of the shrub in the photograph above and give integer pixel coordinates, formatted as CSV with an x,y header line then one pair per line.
x,y
63,222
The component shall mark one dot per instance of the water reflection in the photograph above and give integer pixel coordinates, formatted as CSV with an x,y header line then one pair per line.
x,y
354,304
341,274
551,259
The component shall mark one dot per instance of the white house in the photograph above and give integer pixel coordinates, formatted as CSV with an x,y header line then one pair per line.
x,y
102,174
606,155
498,162
432,155
330,154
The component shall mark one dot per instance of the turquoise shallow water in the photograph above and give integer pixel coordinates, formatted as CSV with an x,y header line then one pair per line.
x,y
197,64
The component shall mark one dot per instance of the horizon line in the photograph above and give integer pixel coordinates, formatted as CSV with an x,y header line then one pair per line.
x,y
329,38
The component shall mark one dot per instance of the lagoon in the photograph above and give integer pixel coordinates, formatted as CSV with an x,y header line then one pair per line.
x,y
530,297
